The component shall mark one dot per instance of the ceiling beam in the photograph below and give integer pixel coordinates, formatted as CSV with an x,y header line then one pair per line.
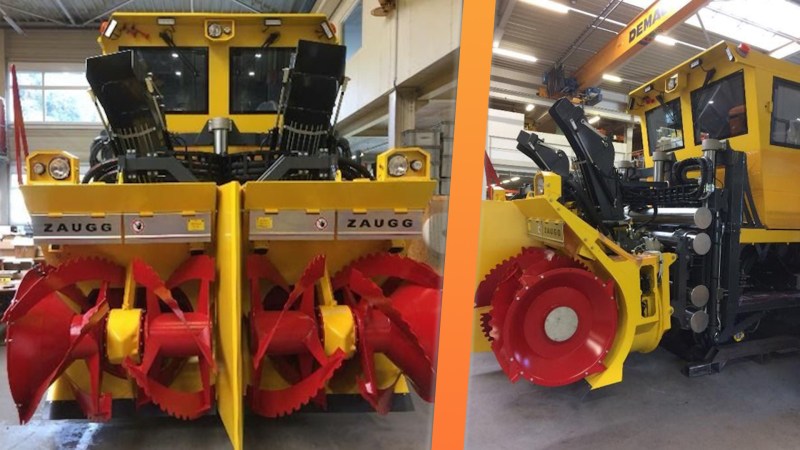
x,y
500,28
65,11
441,90
661,16
108,11
501,92
28,13
246,6
527,82
11,22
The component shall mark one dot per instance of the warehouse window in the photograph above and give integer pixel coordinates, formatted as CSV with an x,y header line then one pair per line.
x,y
719,110
665,127
256,78
785,130
180,74
53,94
352,30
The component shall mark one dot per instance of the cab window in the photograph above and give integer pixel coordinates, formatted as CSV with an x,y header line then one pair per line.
x,y
665,127
785,129
256,76
180,74
719,110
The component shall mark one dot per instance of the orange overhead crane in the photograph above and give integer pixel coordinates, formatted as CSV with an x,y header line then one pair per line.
x,y
659,17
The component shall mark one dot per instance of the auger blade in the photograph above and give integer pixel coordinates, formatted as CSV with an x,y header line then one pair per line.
x,y
173,336
390,265
45,335
65,278
282,402
402,325
38,343
528,256
293,330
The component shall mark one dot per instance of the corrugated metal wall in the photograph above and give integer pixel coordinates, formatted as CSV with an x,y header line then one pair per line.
x,y
72,46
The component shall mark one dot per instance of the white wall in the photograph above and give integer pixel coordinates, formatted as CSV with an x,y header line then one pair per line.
x,y
501,144
397,47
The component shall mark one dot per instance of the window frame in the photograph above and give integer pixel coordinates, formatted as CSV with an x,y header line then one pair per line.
x,y
650,146
357,5
47,67
695,135
290,50
776,81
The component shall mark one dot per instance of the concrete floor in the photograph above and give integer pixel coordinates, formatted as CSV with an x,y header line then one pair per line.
x,y
747,405
402,430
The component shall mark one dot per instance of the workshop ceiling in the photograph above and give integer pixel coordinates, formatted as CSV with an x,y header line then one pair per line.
x,y
552,37
89,13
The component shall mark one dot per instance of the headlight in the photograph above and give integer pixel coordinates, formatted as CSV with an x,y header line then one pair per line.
x,y
39,168
539,188
416,165
398,165
59,168
215,30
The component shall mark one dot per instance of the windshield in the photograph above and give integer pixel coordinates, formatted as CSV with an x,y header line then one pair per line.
x,y
180,74
665,127
255,80
718,110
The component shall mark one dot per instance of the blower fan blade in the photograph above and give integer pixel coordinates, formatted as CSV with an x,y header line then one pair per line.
x,y
286,332
552,321
396,302
46,335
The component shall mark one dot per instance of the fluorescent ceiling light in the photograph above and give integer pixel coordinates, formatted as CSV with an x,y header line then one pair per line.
x,y
786,50
660,38
178,73
515,179
505,182
612,78
549,5
593,120
768,26
251,73
529,107
515,55
175,55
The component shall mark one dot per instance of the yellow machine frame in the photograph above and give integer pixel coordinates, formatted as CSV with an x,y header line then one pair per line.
x,y
229,206
770,166
509,226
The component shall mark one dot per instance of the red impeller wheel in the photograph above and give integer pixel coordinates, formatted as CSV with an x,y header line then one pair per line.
x,y
46,335
284,328
172,338
552,321
396,303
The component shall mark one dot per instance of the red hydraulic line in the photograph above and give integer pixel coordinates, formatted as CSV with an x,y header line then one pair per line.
x,y
20,138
